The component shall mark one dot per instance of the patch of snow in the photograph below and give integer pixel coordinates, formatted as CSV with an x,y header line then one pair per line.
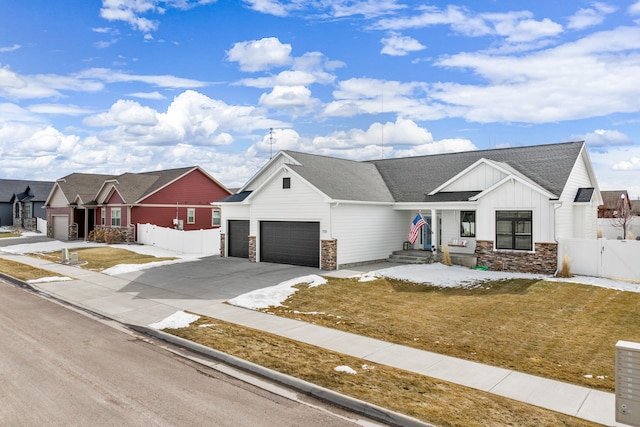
x,y
129,268
50,279
275,295
179,319
368,277
345,369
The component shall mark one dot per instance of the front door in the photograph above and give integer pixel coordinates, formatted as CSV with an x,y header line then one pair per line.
x,y
426,233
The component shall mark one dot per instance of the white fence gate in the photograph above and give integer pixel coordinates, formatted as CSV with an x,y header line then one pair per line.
x,y
41,226
205,242
614,259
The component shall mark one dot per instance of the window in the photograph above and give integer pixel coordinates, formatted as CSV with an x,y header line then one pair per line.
x,y
215,217
103,216
286,182
27,211
115,217
513,230
468,224
191,216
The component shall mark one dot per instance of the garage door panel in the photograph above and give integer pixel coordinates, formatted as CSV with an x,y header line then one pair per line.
x,y
61,227
296,243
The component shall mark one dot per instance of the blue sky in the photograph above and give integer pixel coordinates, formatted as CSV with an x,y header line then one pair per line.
x,y
117,86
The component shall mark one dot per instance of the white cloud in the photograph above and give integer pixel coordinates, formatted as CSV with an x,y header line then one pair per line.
x,y
588,17
147,95
398,45
260,55
634,9
400,132
296,98
16,86
112,76
10,48
515,27
69,110
366,8
603,137
270,7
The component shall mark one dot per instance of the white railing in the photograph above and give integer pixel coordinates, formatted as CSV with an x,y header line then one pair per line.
x,y
614,259
205,242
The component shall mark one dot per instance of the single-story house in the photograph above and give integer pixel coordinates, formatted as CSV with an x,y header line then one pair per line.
x,y
174,198
22,201
615,203
507,207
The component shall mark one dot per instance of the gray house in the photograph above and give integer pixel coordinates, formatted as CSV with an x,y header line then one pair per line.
x,y
22,201
505,208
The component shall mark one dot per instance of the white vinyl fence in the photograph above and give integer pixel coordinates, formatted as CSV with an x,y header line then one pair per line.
x,y
41,225
188,242
614,259
608,229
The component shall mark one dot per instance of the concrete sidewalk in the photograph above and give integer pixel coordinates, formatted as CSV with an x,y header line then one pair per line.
x,y
119,298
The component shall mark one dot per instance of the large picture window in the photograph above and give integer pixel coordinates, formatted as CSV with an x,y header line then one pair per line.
x,y
513,230
468,224
115,217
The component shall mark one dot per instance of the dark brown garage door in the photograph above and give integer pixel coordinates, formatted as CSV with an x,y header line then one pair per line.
x,y
296,243
238,239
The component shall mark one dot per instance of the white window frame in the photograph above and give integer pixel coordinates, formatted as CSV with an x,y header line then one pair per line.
x,y
103,216
116,214
27,211
191,215
214,218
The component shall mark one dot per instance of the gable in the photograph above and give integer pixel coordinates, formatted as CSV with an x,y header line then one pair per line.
x,y
57,198
194,187
114,197
480,176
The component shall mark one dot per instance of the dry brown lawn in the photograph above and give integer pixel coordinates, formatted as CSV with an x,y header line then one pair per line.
x,y
430,400
8,234
561,331
23,271
101,258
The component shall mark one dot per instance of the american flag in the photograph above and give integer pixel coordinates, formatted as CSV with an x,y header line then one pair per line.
x,y
416,225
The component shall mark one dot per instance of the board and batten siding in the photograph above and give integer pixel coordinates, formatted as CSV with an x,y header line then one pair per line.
x,y
514,195
368,232
576,221
479,178
300,202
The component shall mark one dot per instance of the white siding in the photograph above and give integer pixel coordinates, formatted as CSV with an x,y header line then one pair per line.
x,y
517,196
301,202
573,222
481,177
233,211
265,174
367,232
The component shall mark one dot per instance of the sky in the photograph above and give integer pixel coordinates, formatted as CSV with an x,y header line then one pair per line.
x,y
118,86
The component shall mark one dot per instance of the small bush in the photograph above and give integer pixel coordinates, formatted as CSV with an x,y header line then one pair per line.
x,y
446,258
565,271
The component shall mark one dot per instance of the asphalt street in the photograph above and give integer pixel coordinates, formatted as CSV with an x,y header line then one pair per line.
x,y
61,367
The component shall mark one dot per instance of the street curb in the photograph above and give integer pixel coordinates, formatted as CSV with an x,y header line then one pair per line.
x,y
352,404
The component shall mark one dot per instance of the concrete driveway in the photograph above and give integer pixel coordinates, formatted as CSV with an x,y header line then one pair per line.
x,y
213,278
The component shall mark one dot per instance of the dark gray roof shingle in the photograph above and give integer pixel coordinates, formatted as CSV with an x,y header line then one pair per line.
x,y
411,179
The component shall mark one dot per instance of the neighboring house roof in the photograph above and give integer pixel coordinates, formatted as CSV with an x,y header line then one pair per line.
x,y
133,187
18,187
635,207
80,187
611,199
237,197
423,178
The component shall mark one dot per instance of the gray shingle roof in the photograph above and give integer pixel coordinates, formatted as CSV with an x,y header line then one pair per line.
x,y
410,179
39,189
85,185
342,179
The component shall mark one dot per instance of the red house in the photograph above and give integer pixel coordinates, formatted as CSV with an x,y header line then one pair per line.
x,y
174,198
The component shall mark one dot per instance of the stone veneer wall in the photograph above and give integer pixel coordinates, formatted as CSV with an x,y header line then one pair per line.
x,y
73,232
328,255
125,233
252,249
543,261
222,245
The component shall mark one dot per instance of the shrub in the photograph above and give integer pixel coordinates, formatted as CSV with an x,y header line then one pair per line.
x,y
565,271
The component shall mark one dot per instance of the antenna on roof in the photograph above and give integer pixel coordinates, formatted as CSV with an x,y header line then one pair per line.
x,y
271,142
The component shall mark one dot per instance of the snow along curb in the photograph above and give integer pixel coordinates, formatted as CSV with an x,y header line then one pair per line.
x,y
355,405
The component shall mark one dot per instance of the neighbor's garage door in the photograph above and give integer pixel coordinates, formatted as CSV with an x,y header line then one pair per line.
x,y
61,227
295,243
238,234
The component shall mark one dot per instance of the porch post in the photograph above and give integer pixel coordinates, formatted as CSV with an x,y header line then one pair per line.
x,y
86,223
434,229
